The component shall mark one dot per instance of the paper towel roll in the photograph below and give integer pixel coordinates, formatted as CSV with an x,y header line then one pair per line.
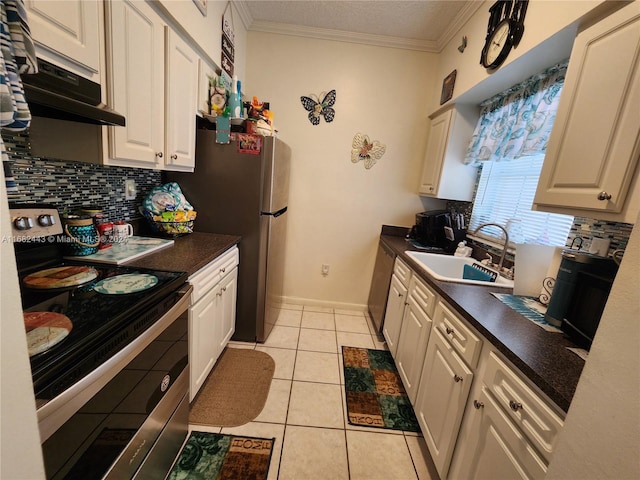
x,y
531,267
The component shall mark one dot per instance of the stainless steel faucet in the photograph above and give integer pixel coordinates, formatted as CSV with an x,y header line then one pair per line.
x,y
506,240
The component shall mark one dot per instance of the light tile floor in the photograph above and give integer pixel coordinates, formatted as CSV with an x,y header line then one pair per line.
x,y
306,410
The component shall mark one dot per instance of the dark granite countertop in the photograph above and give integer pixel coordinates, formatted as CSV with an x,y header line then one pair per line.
x,y
189,253
539,355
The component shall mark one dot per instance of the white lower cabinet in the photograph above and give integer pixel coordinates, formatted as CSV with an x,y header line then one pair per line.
x,y
414,335
396,303
495,448
480,416
444,388
509,430
212,316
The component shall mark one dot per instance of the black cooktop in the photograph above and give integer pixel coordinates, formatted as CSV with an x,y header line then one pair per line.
x,y
103,324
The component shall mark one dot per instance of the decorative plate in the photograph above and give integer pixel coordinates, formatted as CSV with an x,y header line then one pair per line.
x,y
127,283
60,277
45,329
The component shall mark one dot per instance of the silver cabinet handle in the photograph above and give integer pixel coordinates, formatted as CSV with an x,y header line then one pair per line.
x,y
515,406
457,378
174,157
478,405
159,154
604,196
448,330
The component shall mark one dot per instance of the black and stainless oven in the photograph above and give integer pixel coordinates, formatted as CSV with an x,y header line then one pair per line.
x,y
109,357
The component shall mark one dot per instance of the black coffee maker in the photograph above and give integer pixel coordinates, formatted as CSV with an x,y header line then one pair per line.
x,y
433,230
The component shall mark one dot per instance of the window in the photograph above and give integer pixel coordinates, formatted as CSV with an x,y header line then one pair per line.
x,y
505,193
509,143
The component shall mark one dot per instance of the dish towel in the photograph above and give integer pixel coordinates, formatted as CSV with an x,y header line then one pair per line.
x,y
17,56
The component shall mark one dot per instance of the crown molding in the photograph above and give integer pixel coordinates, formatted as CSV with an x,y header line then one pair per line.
x,y
362,38
458,22
245,14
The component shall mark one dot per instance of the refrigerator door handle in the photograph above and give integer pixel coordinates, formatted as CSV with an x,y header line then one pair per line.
x,y
275,214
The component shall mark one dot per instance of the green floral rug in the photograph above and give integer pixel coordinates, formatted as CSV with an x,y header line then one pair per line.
x,y
375,395
214,456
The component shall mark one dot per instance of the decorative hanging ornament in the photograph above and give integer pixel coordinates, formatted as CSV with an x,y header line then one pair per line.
x,y
317,107
366,150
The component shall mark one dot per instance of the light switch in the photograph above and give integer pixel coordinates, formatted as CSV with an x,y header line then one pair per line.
x,y
130,190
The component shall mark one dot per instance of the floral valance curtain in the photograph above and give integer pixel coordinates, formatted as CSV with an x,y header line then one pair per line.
x,y
518,122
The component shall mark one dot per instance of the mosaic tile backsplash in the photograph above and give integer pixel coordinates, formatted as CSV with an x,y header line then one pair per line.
x,y
74,185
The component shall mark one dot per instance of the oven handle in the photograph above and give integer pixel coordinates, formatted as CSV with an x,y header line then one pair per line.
x,y
53,414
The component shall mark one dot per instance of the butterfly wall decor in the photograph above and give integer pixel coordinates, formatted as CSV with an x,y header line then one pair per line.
x,y
366,150
317,107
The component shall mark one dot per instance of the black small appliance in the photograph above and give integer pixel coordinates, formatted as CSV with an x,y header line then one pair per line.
x,y
429,228
580,294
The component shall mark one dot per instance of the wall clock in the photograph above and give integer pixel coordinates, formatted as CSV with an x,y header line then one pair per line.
x,y
504,31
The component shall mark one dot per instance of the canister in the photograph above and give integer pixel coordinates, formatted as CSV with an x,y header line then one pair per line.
x,y
82,236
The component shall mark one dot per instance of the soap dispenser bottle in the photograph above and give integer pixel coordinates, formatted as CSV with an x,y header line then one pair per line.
x,y
463,250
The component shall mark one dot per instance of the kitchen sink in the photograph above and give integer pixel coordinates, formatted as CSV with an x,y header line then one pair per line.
x,y
447,268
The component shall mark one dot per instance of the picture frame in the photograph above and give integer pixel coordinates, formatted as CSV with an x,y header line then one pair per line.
x,y
447,87
202,6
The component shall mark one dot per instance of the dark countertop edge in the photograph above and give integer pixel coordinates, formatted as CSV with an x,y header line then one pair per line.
x,y
188,253
540,355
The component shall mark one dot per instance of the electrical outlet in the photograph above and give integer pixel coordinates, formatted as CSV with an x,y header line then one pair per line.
x,y
130,190
325,269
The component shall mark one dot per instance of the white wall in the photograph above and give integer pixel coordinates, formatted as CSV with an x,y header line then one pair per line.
x,y
550,27
336,208
20,453
602,430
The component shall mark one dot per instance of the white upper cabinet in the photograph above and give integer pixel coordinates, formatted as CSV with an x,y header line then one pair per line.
x,y
153,77
443,173
136,76
182,95
68,33
595,143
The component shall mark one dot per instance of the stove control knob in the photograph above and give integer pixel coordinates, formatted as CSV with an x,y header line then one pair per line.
x,y
46,220
23,223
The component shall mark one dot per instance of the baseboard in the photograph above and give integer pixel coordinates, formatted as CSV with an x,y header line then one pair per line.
x,y
312,302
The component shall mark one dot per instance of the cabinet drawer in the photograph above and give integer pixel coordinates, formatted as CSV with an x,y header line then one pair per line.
x,y
534,417
463,340
402,271
205,278
422,295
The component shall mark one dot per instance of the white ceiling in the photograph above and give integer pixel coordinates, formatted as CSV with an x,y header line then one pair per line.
x,y
420,25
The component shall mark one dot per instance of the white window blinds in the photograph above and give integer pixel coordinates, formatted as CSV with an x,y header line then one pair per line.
x,y
505,193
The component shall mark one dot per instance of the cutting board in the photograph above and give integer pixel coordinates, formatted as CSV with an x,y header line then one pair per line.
x,y
134,247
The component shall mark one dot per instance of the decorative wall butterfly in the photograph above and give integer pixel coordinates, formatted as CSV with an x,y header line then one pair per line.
x,y
317,107
366,150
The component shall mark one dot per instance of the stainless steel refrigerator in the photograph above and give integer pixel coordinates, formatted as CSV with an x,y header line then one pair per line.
x,y
245,194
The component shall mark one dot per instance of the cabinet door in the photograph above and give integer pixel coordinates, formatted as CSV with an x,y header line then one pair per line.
x,y
495,447
414,336
444,388
226,322
68,31
393,315
594,146
202,340
137,84
182,89
434,156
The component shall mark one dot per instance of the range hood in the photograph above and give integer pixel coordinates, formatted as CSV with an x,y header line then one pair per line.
x,y
57,93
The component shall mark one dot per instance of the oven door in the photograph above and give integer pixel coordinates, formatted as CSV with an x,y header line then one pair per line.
x,y
105,425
